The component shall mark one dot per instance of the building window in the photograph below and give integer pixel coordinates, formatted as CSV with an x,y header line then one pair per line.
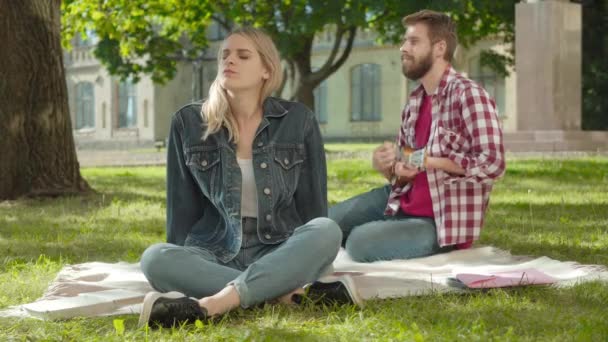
x,y
103,115
493,83
85,105
215,31
127,105
320,94
365,93
146,113
210,73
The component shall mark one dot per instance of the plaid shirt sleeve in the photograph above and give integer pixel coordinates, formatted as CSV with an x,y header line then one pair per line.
x,y
484,161
401,136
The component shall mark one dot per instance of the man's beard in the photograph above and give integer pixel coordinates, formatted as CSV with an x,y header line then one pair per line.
x,y
417,70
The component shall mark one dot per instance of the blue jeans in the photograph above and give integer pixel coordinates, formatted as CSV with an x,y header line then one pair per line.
x,y
259,272
369,235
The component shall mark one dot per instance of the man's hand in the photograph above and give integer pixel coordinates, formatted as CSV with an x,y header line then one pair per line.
x,y
403,170
415,158
384,159
404,173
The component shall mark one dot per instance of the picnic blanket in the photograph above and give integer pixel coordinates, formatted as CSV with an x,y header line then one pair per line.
x,y
98,289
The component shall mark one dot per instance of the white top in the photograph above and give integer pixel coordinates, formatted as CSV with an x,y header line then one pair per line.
x,y
249,195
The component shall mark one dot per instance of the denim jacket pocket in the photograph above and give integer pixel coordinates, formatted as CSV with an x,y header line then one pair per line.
x,y
289,160
205,165
203,160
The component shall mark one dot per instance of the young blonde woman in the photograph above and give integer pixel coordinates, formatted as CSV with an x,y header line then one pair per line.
x,y
246,195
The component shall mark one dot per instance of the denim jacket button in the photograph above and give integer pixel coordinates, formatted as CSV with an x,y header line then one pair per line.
x,y
268,217
267,236
204,163
286,161
260,144
263,165
267,191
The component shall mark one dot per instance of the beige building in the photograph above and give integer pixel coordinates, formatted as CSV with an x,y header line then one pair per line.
x,y
108,112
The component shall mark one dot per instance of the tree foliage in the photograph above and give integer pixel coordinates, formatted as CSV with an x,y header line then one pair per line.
x,y
138,36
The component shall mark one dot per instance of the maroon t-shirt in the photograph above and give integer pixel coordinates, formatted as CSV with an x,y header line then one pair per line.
x,y
417,201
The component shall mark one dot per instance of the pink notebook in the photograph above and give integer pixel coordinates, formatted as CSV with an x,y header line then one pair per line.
x,y
523,277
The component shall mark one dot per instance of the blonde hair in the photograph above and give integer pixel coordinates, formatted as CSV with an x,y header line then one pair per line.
x,y
216,109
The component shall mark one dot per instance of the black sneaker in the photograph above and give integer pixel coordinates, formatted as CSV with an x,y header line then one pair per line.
x,y
170,309
334,290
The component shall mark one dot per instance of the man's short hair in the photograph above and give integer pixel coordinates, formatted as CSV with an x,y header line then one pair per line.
x,y
440,26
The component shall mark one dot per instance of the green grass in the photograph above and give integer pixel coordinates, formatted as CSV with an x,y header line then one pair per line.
x,y
553,207
350,147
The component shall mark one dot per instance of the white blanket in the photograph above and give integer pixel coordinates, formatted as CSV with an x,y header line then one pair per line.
x,y
97,289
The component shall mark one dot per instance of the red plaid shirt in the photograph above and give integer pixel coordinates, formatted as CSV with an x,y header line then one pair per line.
x,y
466,130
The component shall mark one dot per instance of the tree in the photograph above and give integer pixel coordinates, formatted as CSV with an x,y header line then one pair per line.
x,y
38,156
140,36
294,25
150,36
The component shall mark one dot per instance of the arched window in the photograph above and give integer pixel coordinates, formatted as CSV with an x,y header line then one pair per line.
x,y
365,94
85,105
127,104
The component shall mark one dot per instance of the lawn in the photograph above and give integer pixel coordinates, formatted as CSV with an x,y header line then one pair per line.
x,y
545,206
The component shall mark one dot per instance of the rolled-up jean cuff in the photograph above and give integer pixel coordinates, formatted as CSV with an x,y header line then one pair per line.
x,y
327,270
243,291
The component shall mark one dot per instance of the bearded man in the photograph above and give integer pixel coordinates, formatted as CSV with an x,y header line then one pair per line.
x,y
448,153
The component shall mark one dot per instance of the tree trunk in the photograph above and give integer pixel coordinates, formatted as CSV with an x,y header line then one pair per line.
x,y
301,72
305,94
37,153
304,91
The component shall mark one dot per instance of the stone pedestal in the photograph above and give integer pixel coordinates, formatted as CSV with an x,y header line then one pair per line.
x,y
548,65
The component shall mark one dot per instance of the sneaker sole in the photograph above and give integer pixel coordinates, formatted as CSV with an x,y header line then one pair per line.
x,y
352,290
149,300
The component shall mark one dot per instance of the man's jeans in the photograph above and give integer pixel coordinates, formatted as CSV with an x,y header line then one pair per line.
x,y
369,235
259,272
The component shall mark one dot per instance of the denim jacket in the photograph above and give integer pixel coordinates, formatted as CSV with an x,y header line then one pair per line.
x,y
204,179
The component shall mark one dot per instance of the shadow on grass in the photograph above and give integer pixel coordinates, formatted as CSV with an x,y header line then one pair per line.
x,y
562,231
567,251
100,239
554,312
593,170
117,223
138,184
